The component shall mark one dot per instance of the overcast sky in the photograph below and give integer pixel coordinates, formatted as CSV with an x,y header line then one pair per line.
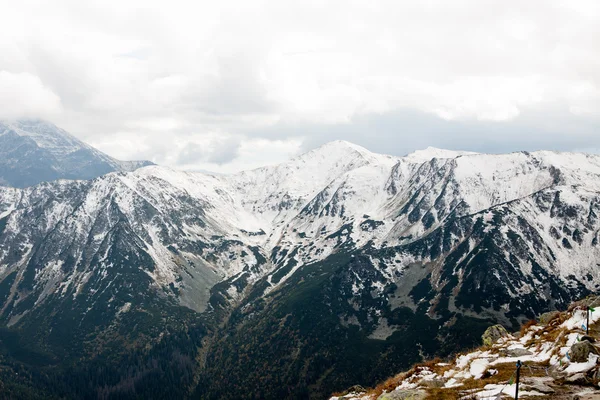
x,y
225,86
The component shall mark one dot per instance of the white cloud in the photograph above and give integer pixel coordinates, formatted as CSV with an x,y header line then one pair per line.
x,y
153,78
24,95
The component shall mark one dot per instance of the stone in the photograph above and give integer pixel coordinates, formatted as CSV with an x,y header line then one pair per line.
x,y
580,351
493,334
555,372
518,352
595,374
578,379
538,387
432,383
403,395
355,389
546,317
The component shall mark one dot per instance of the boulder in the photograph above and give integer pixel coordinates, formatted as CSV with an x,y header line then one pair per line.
x,y
538,387
493,334
518,352
547,317
355,389
433,383
404,395
577,379
555,372
580,351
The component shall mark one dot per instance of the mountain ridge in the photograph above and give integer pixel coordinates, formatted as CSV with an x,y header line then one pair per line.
x,y
33,151
245,211
290,270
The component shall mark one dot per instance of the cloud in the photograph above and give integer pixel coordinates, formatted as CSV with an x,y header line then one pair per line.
x,y
217,152
24,95
192,84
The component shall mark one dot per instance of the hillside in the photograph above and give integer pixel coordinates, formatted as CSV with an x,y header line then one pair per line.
x,y
558,361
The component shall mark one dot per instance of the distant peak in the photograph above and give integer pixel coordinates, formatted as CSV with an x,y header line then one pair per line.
x,y
344,144
434,152
45,133
24,123
33,121
341,147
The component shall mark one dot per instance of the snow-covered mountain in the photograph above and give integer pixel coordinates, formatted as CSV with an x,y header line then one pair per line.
x,y
379,249
34,151
543,207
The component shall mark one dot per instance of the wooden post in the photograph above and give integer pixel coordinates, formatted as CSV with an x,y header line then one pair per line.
x,y
518,375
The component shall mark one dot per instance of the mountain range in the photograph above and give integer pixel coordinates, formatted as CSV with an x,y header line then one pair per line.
x,y
338,267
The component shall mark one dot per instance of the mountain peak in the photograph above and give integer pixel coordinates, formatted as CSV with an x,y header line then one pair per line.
x,y
45,134
434,152
34,151
341,146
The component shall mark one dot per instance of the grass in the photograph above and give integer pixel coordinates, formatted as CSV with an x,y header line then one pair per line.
x,y
386,386
444,394
525,327
392,383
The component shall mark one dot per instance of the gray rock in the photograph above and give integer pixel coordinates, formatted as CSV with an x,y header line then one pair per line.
x,y
538,387
556,373
547,317
432,383
355,389
493,334
519,352
580,351
403,395
578,379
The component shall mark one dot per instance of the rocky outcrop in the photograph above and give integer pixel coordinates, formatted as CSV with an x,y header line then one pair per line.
x,y
580,351
404,395
493,334
545,318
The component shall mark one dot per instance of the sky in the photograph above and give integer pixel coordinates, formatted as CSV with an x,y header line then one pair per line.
x,y
230,85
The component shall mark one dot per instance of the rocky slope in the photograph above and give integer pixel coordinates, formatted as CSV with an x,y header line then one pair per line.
x,y
340,266
34,151
557,359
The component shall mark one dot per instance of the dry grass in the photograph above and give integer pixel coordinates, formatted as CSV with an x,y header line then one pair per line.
x,y
505,371
392,383
443,394
550,332
387,386
525,327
